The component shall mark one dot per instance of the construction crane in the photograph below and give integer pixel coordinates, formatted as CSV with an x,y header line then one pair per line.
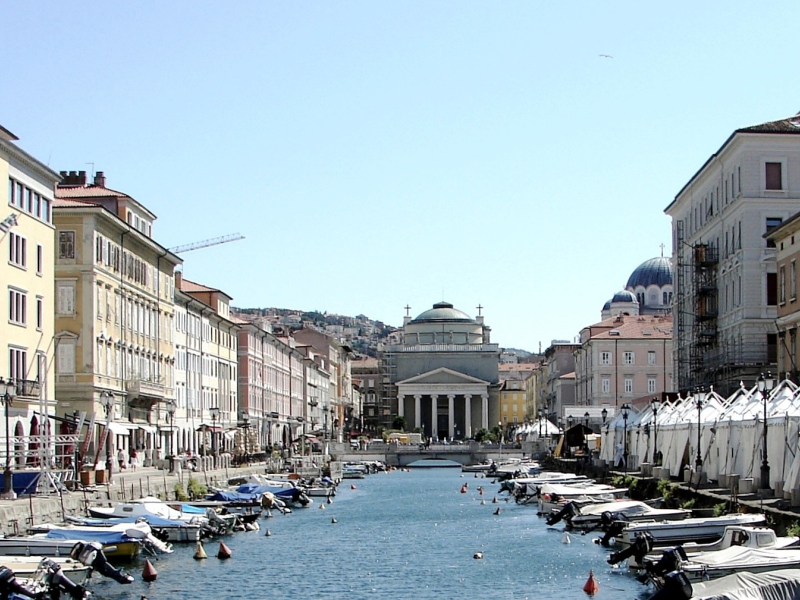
x,y
233,237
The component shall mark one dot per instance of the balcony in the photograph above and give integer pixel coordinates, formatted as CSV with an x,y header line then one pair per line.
x,y
28,388
144,391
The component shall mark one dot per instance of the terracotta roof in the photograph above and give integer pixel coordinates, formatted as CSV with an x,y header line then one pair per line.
x,y
191,286
88,191
519,367
636,327
790,125
570,375
66,203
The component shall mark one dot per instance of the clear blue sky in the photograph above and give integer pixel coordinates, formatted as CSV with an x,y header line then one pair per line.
x,y
376,154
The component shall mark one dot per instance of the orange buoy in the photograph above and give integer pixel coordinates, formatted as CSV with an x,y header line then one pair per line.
x,y
463,489
591,586
149,573
224,551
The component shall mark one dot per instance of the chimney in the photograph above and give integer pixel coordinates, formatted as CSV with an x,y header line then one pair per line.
x,y
100,179
81,177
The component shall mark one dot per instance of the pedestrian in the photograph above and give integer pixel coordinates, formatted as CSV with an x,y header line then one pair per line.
x,y
121,459
134,459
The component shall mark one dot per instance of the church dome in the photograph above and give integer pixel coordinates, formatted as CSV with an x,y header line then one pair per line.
x,y
656,271
607,305
443,311
624,296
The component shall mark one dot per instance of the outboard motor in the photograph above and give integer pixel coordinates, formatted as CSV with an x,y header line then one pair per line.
x,y
612,531
9,585
570,510
670,561
676,587
642,544
60,583
91,554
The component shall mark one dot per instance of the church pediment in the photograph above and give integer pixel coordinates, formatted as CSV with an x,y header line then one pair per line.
x,y
442,375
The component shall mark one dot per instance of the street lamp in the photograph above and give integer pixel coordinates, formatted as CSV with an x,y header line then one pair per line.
x,y
626,409
170,419
654,406
107,400
699,401
246,421
540,422
586,418
214,410
604,415
8,389
765,385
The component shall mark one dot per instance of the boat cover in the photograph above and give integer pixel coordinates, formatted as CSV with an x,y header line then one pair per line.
x,y
250,492
775,585
90,534
743,556
152,520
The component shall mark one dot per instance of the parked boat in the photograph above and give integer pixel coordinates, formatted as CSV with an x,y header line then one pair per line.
x,y
164,530
525,490
121,540
592,516
209,520
775,585
553,497
672,533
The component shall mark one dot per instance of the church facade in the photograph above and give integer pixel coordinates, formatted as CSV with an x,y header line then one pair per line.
x,y
445,373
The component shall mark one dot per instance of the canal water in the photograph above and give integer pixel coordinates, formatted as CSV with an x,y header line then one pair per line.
x,y
396,535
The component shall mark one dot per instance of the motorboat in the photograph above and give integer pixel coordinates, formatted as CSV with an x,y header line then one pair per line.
x,y
119,540
525,490
642,550
592,516
553,497
354,471
672,532
775,585
713,565
27,566
166,531
211,522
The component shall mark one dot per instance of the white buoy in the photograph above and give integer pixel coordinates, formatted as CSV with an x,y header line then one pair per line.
x,y
565,538
483,502
322,507
477,555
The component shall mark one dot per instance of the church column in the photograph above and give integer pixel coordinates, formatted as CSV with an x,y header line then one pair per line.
x,y
467,416
485,411
434,416
401,405
417,411
451,415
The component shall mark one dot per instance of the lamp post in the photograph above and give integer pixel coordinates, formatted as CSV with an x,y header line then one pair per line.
x,y
654,406
586,416
604,415
214,410
8,390
107,400
699,401
170,420
246,421
765,385
626,408
540,423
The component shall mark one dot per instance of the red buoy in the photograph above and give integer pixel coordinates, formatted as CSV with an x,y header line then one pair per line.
x,y
591,586
352,486
149,573
463,489
224,551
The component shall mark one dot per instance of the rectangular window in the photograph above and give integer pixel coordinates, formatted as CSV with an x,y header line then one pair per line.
x,y
792,280
39,259
773,176
65,294
17,306
605,385
66,358
39,313
605,358
651,357
772,289
66,244
17,363
46,217
782,284
627,358
772,223
17,250
628,385
11,198
651,385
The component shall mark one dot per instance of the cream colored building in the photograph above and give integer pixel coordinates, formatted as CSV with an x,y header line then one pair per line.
x,y
114,313
27,334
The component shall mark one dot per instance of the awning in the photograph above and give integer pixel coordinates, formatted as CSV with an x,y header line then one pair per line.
x,y
147,428
207,427
121,428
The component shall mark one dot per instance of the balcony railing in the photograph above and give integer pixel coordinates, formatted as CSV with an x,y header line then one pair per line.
x,y
28,388
143,387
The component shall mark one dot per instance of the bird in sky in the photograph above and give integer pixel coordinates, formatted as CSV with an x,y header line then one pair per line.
x,y
605,56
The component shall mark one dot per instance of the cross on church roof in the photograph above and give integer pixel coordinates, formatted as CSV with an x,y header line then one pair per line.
x,y
408,309
662,249
480,308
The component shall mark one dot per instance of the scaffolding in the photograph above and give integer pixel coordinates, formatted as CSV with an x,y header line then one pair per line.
x,y
388,389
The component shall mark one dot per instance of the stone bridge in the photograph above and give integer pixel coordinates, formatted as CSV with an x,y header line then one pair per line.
x,y
465,454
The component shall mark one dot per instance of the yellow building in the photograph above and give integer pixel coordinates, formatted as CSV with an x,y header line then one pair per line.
x,y
517,392
114,314
26,304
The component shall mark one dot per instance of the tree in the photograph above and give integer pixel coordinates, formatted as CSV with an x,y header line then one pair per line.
x,y
399,423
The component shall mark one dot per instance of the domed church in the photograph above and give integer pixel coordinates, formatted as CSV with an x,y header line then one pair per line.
x,y
445,370
648,291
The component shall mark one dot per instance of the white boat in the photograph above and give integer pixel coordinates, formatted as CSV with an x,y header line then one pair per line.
x,y
553,497
27,566
713,565
695,529
592,516
119,540
743,536
775,585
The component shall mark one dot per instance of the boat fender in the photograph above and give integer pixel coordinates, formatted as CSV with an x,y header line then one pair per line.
x,y
676,587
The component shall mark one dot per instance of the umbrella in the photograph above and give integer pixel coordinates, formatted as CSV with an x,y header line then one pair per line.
x,y
33,447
